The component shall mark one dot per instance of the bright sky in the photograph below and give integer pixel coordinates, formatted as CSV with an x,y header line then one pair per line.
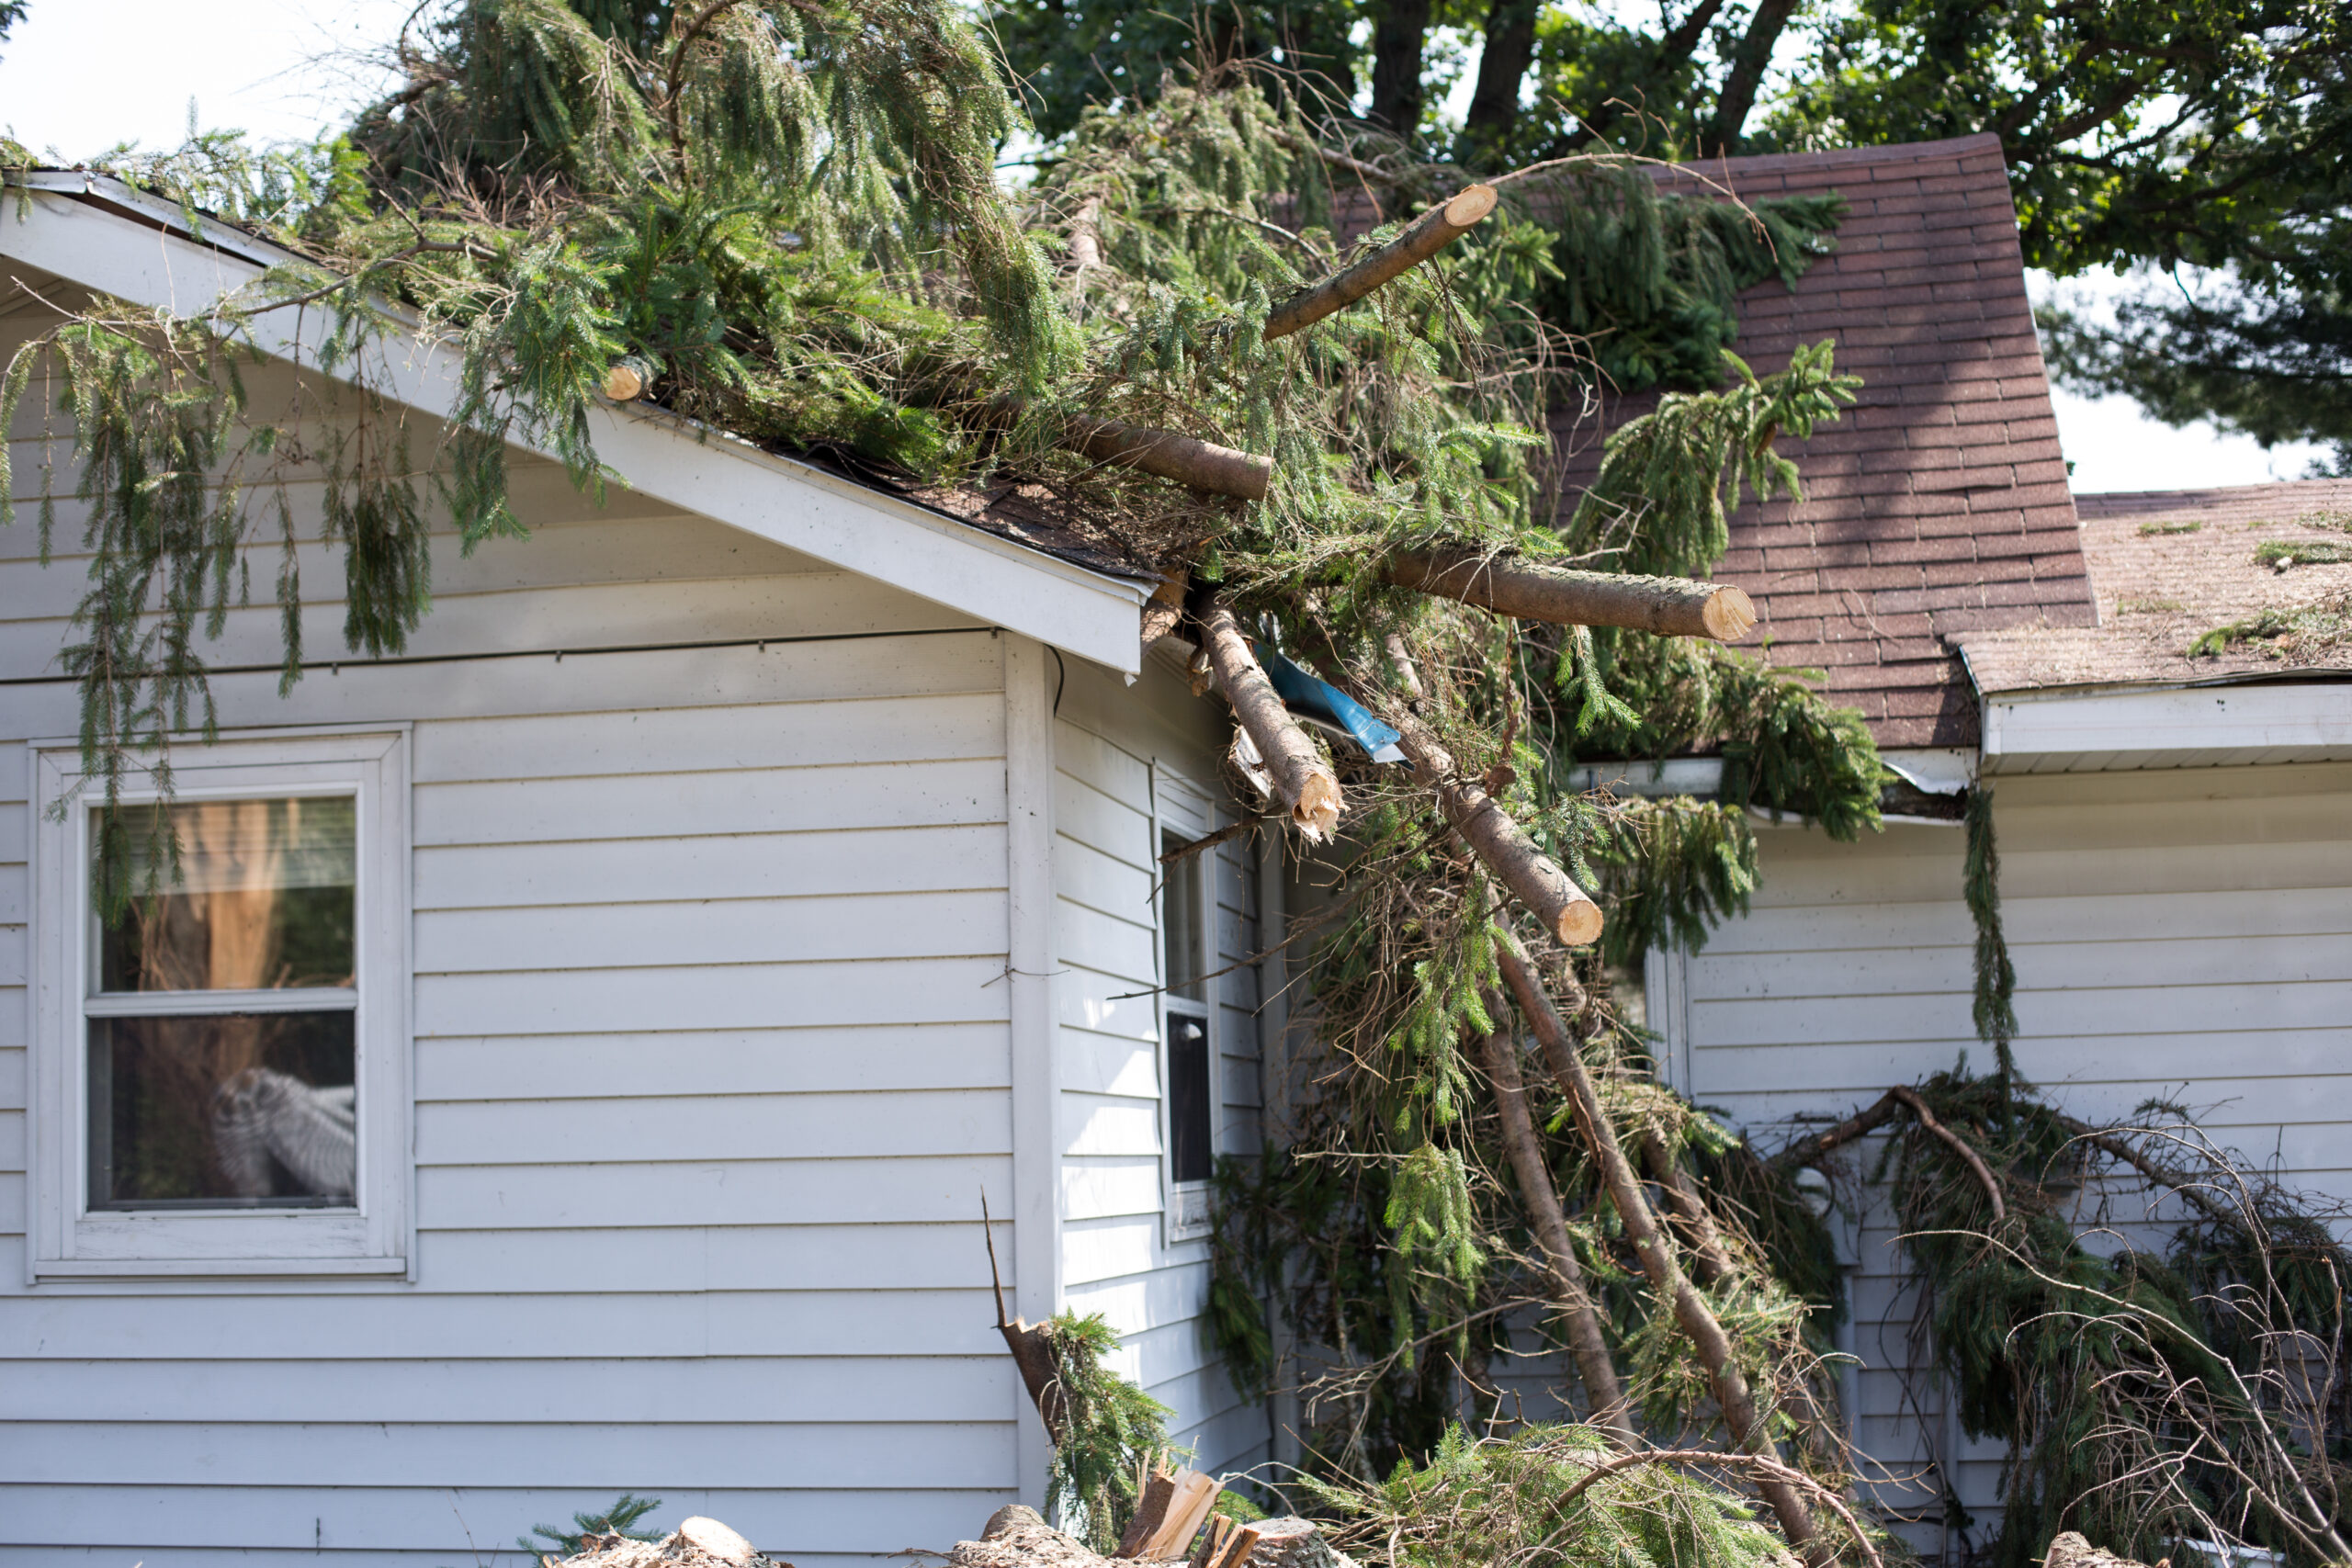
x,y
79,75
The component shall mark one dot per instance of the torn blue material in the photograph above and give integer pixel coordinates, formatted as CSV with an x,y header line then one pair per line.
x,y
1324,703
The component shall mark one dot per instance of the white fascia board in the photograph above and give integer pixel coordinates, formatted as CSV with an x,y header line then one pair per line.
x,y
2309,716
1086,613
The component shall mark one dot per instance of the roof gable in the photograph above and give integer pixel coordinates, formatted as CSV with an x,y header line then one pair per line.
x,y
1938,505
104,236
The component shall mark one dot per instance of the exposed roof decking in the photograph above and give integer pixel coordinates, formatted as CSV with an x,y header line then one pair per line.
x,y
1938,505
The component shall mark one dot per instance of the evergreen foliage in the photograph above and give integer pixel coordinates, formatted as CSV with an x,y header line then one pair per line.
x,y
2148,1396
617,1520
1478,1502
1111,1433
1996,978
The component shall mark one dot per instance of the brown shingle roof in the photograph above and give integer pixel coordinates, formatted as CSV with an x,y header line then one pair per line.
x,y
2169,566
1937,506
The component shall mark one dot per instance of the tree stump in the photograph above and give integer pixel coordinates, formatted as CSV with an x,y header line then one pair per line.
x,y
2071,1548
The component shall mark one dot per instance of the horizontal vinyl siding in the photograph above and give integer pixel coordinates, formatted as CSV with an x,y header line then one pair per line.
x,y
711,1065
1116,1257
2183,935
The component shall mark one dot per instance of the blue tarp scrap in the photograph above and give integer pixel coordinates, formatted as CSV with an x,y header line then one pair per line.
x,y
1310,698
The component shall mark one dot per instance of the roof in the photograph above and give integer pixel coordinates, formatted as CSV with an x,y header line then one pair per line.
x,y
2169,566
1003,558
1937,506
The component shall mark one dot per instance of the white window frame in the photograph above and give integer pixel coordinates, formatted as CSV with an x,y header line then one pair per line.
x,y
371,1237
1183,809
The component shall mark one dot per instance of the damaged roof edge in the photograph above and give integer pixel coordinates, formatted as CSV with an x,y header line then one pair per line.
x,y
107,237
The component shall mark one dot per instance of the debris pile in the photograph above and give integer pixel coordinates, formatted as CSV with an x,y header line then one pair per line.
x,y
698,1543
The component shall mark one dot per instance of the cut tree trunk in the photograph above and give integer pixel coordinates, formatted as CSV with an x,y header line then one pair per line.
x,y
1566,910
1667,606
1187,459
1691,1310
1285,1542
1303,780
1603,1394
1428,234
2072,1548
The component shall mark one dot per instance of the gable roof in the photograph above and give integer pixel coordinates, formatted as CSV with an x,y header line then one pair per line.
x,y
2169,566
1937,506
998,563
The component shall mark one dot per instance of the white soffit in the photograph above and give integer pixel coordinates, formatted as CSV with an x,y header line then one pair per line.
x,y
2220,726
146,259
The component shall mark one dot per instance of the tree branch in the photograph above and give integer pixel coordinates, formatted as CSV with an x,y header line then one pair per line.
x,y
1305,783
1665,607
1430,234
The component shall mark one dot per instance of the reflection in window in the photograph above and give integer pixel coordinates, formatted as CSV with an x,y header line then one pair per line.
x,y
203,1103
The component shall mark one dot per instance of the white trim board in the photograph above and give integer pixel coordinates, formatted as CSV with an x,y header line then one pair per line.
x,y
792,503
2184,726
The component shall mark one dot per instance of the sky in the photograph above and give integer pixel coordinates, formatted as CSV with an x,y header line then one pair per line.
x,y
79,75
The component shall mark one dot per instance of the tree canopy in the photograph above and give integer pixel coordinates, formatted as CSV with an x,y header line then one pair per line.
x,y
2207,137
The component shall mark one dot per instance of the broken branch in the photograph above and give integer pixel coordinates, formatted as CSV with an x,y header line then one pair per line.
x,y
1566,910
1691,1310
1303,780
1759,1464
1187,459
1430,234
1958,1146
1602,1391
1667,606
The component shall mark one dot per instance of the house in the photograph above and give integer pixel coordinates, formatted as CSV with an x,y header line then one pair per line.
x,y
580,1050
2174,832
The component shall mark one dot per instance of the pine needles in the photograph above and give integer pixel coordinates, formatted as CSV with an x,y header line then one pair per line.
x,y
1112,1431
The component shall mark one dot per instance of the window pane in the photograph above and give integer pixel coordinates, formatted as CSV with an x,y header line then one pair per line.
x,y
263,899
227,1110
1180,935
1189,1154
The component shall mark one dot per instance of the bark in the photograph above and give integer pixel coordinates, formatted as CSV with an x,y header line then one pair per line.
x,y
1667,606
1503,60
1304,780
1396,66
1033,1353
1691,1313
2071,1548
1806,1151
1186,460
1430,234
1691,1209
1589,1348
1565,910
1152,1512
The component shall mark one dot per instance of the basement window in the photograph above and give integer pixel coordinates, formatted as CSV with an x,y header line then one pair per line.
x,y
220,1079
1190,1057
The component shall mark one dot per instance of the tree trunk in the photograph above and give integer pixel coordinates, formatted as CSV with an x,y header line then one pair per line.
x,y
1696,1320
1396,66
1748,61
1503,60
1565,910
1667,606
1603,1394
1305,781
1431,232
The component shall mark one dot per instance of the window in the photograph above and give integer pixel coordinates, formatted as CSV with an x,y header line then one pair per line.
x,y
221,1076
1189,1043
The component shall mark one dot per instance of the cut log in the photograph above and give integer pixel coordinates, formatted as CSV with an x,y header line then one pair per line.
x,y
1195,1495
1589,1348
1286,1542
1303,780
715,1539
1427,235
1152,1512
1691,1313
1187,459
1532,590
623,384
1566,910
1017,1537
1210,1552
1164,611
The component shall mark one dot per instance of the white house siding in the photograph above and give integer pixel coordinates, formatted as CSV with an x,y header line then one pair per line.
x,y
2181,934
1109,738
709,1069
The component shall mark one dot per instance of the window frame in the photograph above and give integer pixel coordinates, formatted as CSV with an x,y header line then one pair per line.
x,y
1183,809
70,1240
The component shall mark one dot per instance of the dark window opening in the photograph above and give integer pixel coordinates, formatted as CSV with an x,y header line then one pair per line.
x,y
1190,1152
